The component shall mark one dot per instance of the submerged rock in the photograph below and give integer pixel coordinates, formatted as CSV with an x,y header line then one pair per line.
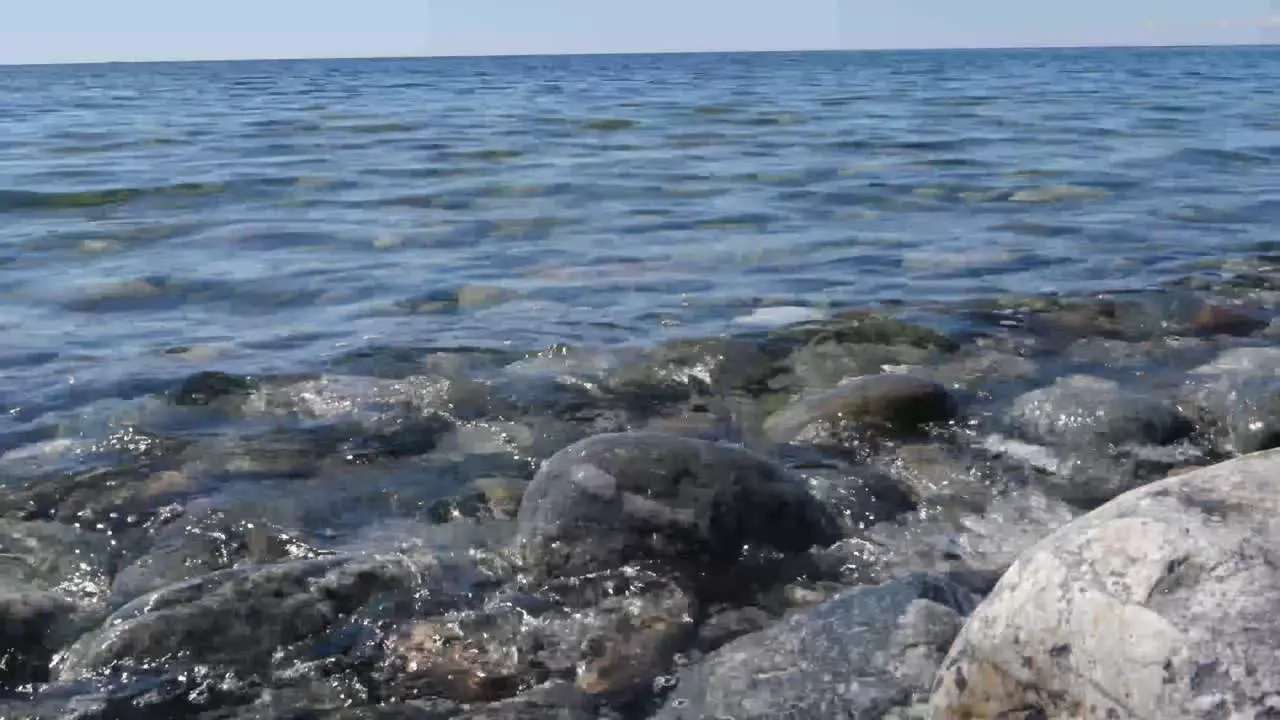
x,y
611,650
1160,603
902,404
857,655
33,626
1238,398
1083,411
250,618
686,504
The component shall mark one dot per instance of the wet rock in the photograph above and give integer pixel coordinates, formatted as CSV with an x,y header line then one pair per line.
x,y
730,624
947,474
686,504
209,387
250,617
198,543
820,366
1158,604
1089,476
1224,320
678,370
985,542
552,701
612,649
1237,397
1084,411
33,626
863,328
61,559
900,404
859,496
114,491
859,654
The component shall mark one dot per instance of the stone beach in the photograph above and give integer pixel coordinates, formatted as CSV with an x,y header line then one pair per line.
x,y
1068,511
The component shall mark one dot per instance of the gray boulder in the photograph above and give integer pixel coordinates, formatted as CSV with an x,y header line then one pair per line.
x,y
1159,604
1086,411
858,655
683,503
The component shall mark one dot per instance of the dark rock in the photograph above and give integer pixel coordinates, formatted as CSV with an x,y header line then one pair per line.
x,y
899,404
860,496
1220,320
33,626
859,654
687,504
728,625
206,388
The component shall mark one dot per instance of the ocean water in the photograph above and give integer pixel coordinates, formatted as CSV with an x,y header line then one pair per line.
x,y
267,217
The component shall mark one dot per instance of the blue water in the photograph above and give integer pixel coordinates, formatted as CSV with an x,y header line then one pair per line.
x,y
266,216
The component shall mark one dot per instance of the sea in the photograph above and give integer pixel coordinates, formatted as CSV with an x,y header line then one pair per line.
x,y
274,217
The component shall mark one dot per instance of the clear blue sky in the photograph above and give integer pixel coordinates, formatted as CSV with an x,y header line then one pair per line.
x,y
89,30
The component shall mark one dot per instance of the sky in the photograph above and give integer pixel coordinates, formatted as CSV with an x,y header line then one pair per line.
x,y
125,30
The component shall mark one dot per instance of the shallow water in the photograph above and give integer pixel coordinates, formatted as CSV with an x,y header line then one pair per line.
x,y
270,213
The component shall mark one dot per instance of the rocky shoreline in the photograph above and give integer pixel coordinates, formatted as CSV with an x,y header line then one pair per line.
x,y
1063,509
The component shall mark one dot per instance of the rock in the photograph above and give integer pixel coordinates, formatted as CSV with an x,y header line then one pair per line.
x,y
1084,411
860,496
859,654
985,542
728,625
1220,320
199,543
823,365
610,650
1237,396
61,559
689,505
901,404
252,617
209,387
863,328
1159,604
553,701
33,625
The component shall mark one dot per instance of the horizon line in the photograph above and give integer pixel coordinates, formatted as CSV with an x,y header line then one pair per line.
x,y
635,53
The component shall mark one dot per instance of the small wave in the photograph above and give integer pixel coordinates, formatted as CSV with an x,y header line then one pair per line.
x,y
1058,193
23,200
36,200
1217,157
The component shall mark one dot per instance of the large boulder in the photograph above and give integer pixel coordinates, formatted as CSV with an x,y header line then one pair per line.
x,y
687,504
1159,604
858,655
